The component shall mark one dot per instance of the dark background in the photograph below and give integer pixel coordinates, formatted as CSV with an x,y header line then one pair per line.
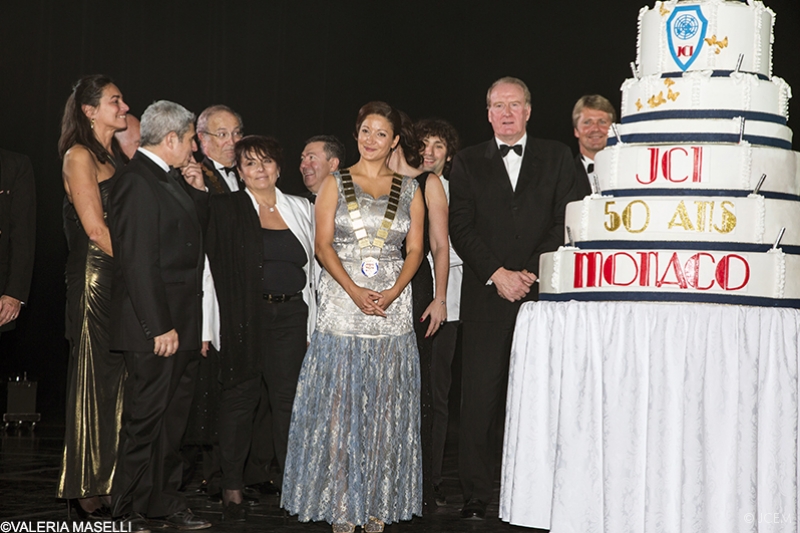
x,y
294,69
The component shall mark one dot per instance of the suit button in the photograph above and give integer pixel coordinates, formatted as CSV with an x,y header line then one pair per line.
x,y
188,244
519,237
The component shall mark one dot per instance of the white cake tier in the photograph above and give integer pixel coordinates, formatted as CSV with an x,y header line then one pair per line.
x,y
718,219
730,95
754,278
705,35
703,130
631,167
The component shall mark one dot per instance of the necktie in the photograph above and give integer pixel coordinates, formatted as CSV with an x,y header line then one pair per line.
x,y
590,168
175,173
504,149
229,170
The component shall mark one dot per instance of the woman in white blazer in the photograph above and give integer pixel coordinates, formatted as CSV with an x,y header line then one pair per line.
x,y
260,245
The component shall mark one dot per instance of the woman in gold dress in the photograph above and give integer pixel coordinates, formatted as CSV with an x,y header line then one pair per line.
x,y
91,157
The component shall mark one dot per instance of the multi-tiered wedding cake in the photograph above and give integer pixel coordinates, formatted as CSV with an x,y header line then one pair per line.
x,y
698,180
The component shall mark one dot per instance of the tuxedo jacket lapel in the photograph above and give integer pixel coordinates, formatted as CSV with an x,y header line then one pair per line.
x,y
497,169
530,170
214,181
174,189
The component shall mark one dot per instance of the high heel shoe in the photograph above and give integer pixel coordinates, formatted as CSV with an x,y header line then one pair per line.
x,y
76,512
345,527
374,525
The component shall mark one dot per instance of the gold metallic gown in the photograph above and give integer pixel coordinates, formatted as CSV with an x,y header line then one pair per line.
x,y
96,376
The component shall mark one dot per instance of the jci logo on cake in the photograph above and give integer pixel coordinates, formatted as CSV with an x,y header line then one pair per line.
x,y
686,29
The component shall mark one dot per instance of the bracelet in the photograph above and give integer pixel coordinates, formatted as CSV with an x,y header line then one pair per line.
x,y
442,302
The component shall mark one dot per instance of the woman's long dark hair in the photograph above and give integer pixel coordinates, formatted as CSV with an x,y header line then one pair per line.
x,y
76,128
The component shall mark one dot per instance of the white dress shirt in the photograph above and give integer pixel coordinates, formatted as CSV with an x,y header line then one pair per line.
x,y
230,178
512,161
154,158
593,174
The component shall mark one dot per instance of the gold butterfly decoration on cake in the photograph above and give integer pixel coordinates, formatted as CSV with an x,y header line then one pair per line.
x,y
661,9
712,41
639,104
656,100
669,82
673,95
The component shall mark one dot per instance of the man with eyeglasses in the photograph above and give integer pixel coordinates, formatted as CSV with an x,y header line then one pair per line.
x,y
592,116
218,128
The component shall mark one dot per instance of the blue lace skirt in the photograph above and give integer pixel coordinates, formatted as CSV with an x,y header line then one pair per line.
x,y
354,443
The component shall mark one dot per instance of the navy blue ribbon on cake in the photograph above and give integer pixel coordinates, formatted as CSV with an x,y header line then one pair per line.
x,y
733,193
692,137
715,74
694,114
684,245
693,297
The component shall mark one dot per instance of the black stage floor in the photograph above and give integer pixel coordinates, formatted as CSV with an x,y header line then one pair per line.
x,y
29,466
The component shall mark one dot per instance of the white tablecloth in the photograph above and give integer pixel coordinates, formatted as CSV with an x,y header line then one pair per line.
x,y
648,417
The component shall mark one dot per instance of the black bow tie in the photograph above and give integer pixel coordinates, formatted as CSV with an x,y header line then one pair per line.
x,y
175,173
504,149
590,168
228,170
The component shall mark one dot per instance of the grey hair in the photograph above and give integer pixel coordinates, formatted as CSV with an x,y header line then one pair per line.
x,y
202,120
513,81
162,117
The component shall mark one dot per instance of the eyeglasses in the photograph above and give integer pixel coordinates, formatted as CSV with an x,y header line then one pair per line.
x,y
225,135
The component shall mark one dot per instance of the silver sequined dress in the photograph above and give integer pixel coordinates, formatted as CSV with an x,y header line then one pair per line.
x,y
354,444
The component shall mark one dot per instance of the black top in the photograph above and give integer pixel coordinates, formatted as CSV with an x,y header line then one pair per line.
x,y
284,259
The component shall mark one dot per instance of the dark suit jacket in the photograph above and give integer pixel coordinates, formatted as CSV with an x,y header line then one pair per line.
x,y
215,183
156,225
17,226
583,187
493,226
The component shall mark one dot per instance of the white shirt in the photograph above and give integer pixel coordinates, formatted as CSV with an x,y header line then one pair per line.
x,y
512,161
593,174
230,178
154,158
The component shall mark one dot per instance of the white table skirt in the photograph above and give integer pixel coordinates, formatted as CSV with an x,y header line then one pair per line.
x,y
647,417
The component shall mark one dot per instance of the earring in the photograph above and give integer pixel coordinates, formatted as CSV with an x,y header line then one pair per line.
x,y
92,123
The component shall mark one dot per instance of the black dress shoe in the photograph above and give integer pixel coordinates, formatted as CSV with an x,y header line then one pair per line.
x,y
474,510
184,520
266,487
203,488
250,496
439,496
135,523
234,512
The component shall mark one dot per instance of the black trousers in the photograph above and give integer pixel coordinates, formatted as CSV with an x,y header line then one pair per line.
x,y
262,448
444,348
283,327
158,396
486,348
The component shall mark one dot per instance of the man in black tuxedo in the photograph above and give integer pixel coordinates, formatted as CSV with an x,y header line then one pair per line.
x,y
156,223
218,128
507,201
323,155
17,234
592,116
